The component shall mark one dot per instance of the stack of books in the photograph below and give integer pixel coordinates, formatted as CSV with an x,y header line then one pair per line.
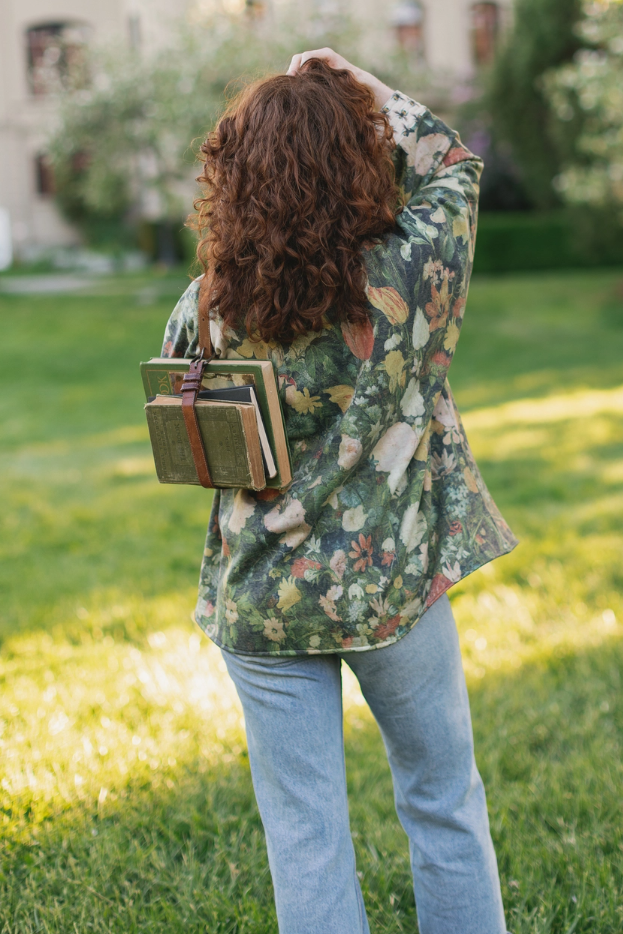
x,y
240,421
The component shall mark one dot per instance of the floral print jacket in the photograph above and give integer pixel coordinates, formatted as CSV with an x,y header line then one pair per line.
x,y
387,508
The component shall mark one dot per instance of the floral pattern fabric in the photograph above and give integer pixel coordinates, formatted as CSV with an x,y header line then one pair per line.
x,y
387,509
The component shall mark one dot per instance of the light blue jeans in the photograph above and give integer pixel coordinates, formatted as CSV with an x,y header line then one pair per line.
x,y
416,691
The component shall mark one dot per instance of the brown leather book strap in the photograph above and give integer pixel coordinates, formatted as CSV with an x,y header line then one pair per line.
x,y
190,387
205,340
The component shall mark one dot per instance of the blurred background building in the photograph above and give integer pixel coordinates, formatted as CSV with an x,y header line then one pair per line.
x,y
44,50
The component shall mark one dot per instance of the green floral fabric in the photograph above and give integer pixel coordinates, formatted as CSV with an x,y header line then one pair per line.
x,y
387,509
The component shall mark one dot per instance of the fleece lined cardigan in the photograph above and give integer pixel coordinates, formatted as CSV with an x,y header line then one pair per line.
x,y
387,509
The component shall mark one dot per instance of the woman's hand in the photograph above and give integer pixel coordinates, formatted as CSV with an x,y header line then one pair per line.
x,y
381,91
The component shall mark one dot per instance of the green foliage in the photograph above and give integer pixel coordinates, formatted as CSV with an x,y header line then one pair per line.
x,y
513,241
125,149
125,793
510,242
543,37
590,90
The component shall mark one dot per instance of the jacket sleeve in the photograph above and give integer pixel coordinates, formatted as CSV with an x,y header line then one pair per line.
x,y
417,287
421,278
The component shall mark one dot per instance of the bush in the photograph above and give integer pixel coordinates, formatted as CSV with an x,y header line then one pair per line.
x,y
544,36
168,242
511,242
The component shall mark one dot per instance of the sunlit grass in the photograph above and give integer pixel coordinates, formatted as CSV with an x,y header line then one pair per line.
x,y
79,728
126,802
567,450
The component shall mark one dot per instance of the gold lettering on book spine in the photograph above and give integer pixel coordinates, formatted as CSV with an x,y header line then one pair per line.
x,y
164,384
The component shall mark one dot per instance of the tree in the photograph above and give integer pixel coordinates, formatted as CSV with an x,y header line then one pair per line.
x,y
123,149
543,37
591,88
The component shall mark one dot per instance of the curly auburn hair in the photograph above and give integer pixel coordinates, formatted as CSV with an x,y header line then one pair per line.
x,y
298,178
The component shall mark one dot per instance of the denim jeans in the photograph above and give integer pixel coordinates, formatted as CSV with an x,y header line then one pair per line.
x,y
416,690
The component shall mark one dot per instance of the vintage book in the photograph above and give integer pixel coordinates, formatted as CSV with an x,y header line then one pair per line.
x,y
163,376
243,394
230,438
246,394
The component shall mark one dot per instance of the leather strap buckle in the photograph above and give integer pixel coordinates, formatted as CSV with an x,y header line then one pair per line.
x,y
191,386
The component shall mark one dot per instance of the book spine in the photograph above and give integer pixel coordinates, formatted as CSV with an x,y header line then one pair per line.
x,y
156,382
253,449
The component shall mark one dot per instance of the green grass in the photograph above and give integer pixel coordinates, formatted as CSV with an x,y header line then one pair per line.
x,y
124,783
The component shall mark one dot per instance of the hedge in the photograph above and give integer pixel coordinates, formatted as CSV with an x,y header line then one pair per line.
x,y
513,241
506,241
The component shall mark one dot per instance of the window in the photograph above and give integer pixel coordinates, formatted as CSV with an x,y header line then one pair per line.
x,y
44,175
485,22
407,20
57,57
255,8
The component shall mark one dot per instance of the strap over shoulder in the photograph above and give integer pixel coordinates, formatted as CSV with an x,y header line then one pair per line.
x,y
205,340
191,385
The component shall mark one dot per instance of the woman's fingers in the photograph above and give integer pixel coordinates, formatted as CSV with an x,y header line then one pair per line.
x,y
381,92
328,55
295,64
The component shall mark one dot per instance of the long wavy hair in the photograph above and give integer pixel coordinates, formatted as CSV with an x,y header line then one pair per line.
x,y
297,180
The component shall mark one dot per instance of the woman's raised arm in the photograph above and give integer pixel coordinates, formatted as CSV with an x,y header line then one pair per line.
x,y
382,92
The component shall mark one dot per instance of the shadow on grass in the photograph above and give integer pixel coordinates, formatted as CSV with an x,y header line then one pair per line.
x,y
186,858
184,850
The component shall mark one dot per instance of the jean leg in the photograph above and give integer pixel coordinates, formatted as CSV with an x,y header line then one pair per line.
x,y
293,718
416,691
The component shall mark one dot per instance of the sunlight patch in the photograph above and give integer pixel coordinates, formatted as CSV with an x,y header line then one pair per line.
x,y
549,409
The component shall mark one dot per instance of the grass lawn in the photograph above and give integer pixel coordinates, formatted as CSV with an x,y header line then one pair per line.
x,y
126,800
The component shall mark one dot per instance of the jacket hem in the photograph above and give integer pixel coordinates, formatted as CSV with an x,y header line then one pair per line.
x,y
289,653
